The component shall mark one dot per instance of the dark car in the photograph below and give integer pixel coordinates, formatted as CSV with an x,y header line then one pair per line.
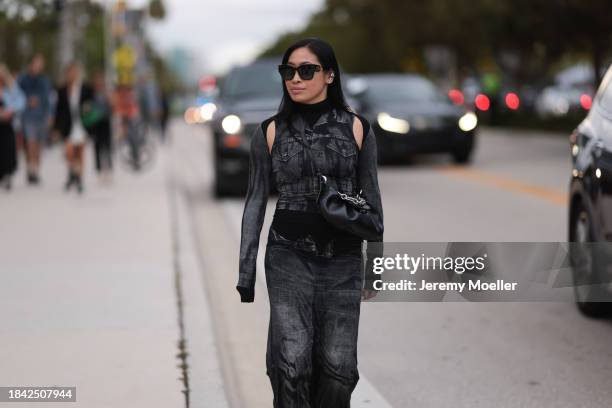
x,y
590,209
247,95
410,115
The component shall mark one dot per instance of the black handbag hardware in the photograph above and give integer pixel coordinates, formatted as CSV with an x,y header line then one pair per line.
x,y
350,213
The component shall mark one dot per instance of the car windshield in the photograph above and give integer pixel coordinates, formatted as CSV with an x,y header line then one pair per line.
x,y
253,80
394,89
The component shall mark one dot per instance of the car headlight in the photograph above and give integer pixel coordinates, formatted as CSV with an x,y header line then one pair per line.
x,y
391,124
231,124
207,111
468,121
575,150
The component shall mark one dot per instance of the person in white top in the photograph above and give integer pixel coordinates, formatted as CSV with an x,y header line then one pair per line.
x,y
68,121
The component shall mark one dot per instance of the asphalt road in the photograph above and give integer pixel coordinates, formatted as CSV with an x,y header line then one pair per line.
x,y
539,354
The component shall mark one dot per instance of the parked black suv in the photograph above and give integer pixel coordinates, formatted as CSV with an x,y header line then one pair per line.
x,y
590,209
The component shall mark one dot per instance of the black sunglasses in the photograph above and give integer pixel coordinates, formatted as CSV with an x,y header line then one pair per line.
x,y
305,71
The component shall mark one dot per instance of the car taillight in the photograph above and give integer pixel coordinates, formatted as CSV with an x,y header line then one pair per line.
x,y
482,102
512,101
586,101
456,96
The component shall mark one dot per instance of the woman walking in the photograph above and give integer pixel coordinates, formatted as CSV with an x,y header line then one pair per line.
x,y
97,118
313,270
70,98
12,102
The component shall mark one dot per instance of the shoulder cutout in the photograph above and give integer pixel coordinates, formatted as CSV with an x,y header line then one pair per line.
x,y
358,131
270,133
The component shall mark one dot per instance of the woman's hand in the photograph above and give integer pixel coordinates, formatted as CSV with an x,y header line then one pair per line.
x,y
368,294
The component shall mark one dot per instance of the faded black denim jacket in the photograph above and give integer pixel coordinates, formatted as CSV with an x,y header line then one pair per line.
x,y
299,153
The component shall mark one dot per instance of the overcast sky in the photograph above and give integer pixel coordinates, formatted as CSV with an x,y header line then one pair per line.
x,y
220,33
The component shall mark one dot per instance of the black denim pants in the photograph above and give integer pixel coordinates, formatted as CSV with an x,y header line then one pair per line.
x,y
315,301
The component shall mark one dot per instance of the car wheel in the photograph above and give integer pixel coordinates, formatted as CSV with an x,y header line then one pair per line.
x,y
382,158
219,189
463,152
584,272
462,156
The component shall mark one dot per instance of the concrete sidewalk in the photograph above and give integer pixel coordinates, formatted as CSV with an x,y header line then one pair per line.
x,y
90,285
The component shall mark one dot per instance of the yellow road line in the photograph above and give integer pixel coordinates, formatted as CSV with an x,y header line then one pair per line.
x,y
504,183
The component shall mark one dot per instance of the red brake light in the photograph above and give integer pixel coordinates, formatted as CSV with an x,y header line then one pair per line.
x,y
482,102
456,96
586,101
512,101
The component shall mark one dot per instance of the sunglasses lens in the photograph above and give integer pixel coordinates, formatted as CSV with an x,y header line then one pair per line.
x,y
307,71
286,71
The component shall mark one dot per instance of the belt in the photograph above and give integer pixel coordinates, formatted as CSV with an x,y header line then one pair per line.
x,y
310,246
310,186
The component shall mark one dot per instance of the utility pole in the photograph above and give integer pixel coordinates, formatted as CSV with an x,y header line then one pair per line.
x,y
108,46
65,51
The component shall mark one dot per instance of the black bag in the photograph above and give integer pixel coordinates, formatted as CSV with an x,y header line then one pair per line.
x,y
348,213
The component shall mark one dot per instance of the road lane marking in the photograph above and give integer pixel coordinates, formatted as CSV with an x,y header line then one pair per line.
x,y
504,183
365,394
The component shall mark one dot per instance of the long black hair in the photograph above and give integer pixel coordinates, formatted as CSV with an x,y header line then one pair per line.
x,y
328,61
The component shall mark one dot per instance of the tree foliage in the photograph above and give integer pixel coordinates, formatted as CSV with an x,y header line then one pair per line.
x,y
392,35
157,9
30,26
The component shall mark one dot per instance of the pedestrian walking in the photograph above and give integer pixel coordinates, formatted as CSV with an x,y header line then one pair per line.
x,y
71,97
37,116
12,102
131,130
149,102
97,120
313,270
164,114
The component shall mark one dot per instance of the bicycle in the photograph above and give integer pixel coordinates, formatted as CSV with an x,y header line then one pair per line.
x,y
136,148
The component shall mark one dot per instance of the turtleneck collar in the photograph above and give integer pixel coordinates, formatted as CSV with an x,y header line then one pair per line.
x,y
309,107
312,111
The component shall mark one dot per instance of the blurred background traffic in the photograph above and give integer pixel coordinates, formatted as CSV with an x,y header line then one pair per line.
x,y
525,64
493,122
